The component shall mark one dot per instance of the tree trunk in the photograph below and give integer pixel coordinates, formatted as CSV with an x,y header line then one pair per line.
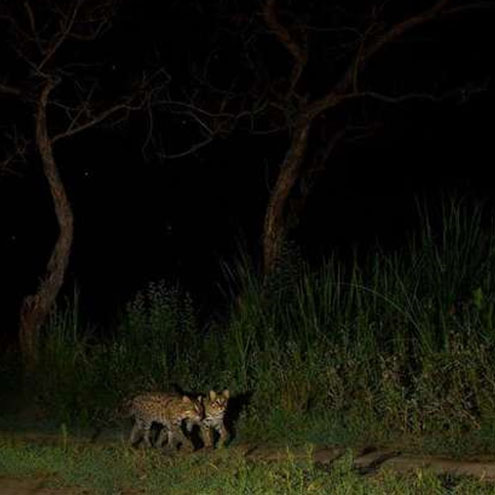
x,y
275,226
35,308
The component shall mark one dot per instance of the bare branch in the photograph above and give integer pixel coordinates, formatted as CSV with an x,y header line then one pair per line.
x,y
95,23
298,53
20,146
95,120
402,27
10,90
19,32
469,7
66,28
191,150
462,93
339,92
194,108
32,23
96,33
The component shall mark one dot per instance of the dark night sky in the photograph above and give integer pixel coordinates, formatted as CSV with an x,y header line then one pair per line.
x,y
139,220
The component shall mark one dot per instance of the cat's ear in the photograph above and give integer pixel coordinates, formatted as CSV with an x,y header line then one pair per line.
x,y
212,395
199,398
226,393
186,399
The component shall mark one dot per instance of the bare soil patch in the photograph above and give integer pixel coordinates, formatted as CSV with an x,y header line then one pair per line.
x,y
368,462
14,486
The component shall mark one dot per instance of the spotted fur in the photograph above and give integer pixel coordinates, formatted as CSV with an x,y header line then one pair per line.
x,y
166,410
215,406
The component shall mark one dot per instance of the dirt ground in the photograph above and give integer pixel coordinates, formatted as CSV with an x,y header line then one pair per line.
x,y
12,486
368,462
372,460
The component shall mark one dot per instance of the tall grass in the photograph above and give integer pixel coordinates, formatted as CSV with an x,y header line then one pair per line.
x,y
396,343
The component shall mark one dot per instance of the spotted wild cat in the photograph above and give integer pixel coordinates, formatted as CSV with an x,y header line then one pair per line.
x,y
165,409
215,405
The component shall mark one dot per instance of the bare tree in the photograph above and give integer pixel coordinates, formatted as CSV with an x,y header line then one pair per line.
x,y
366,42
306,61
50,75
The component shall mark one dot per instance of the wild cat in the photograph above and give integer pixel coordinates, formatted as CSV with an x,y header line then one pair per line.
x,y
167,410
215,406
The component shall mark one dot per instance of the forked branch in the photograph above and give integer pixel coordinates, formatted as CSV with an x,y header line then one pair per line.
x,y
298,53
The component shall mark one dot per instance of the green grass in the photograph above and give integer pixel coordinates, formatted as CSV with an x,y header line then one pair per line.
x,y
118,469
390,346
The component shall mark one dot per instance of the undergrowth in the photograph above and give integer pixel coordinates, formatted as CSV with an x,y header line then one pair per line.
x,y
394,344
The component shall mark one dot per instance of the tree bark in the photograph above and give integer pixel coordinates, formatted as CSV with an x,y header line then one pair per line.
x,y
275,225
35,308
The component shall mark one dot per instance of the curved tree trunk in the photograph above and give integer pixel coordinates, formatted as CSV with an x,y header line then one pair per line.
x,y
274,225
35,308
